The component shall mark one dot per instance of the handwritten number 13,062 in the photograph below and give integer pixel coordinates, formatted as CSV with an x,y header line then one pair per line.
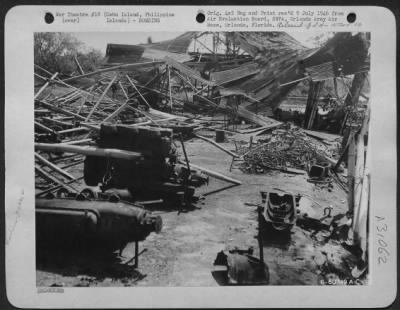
x,y
382,244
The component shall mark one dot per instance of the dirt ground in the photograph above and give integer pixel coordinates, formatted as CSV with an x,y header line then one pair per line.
x,y
183,253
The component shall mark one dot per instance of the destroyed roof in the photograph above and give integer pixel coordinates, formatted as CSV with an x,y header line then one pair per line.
x,y
255,43
279,62
178,45
175,48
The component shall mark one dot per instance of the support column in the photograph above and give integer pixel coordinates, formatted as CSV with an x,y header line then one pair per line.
x,y
353,96
312,103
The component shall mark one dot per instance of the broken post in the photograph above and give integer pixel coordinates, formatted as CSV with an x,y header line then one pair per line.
x,y
312,103
353,96
169,87
78,65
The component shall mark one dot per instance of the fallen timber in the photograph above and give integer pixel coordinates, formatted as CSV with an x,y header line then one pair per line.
x,y
213,173
217,145
116,68
53,166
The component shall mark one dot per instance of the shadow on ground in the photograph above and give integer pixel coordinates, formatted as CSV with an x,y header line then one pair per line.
x,y
88,267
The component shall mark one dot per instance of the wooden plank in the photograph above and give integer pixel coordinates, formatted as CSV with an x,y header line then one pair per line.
x,y
60,110
73,130
256,119
169,87
188,71
322,135
53,179
53,166
213,173
217,145
45,128
227,76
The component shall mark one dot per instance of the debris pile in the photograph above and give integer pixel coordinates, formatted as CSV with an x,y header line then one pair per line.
x,y
291,148
122,129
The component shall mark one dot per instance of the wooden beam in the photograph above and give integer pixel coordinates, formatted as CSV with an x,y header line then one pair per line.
x,y
73,130
217,145
312,102
115,113
78,65
53,179
53,166
45,85
353,95
84,98
101,97
213,173
134,86
60,110
45,128
169,87
115,68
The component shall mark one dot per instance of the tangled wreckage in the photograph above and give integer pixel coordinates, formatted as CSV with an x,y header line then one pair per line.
x,y
124,131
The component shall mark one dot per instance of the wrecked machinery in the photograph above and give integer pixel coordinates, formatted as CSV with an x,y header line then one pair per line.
x,y
155,174
279,210
140,159
92,224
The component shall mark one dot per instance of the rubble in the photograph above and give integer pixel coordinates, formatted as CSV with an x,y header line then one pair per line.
x,y
126,131
290,148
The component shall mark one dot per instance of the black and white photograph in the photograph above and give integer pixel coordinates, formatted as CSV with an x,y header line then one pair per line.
x,y
188,159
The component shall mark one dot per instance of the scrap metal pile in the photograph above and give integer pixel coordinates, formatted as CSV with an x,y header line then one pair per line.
x,y
287,149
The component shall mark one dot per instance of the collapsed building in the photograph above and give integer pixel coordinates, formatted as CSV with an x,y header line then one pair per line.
x,y
124,128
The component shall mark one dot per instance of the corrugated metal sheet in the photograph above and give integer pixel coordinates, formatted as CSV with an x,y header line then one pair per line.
x,y
185,70
178,45
227,76
123,53
322,72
